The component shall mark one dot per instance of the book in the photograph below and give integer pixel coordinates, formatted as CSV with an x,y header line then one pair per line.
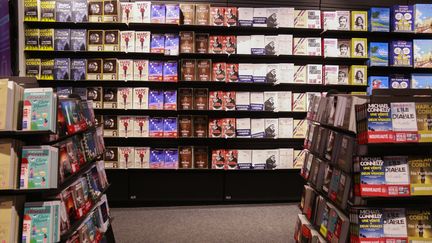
x,y
260,17
94,69
257,128
420,171
111,40
242,101
244,44
188,70
330,46
218,159
79,11
124,98
200,156
140,98
46,40
343,19
202,14
201,43
127,41
401,53
300,128
39,167
171,159
204,70
95,10
140,70
402,18
31,39
271,45
419,224
422,53
314,73
219,71
39,110
217,16
187,41
126,157
185,157
31,10
257,44
229,127
271,128
423,18
185,126
63,11
244,159
358,75
200,99
300,19
110,71
142,41
243,127
156,100
200,126
110,98
95,94
156,127
216,44
300,46
171,44
245,16
170,127
170,71
111,11
229,44
378,54
155,72
420,81
47,69
62,40
299,102
359,48
377,82
157,43
187,13
314,19
33,67
126,12
344,48
141,126
142,12
245,72
170,100
215,128
256,101
110,126
379,20
397,175
78,39
41,222
158,13
404,122
185,99
231,16
424,121
61,69
95,40
359,20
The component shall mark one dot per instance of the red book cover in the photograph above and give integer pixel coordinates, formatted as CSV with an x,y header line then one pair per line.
x,y
219,72
229,127
229,44
216,44
231,16
217,16
216,100
229,100
232,72
218,159
231,159
215,128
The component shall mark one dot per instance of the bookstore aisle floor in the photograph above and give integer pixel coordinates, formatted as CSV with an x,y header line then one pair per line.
x,y
218,223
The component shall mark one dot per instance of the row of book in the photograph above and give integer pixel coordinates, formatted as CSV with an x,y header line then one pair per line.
x,y
197,157
11,94
11,209
320,217
202,127
395,122
400,81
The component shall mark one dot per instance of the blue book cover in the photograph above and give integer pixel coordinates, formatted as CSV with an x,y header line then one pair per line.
x,y
172,44
157,158
377,82
421,81
402,18
379,20
61,68
157,43
156,100
170,127
170,73
399,82
378,54
170,100
423,18
371,223
155,70
379,117
156,126
158,14
422,53
401,53
372,171
171,159
172,14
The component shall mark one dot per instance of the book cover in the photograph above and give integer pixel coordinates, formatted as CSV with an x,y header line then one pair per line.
x,y
395,224
185,157
185,99
423,18
95,40
63,11
232,72
424,121
170,71
140,98
95,10
397,175
259,159
124,98
111,157
170,100
200,99
420,171
126,126
218,159
62,39
379,19
314,19
78,39
257,128
404,122
33,67
257,44
111,40
95,94
158,13
402,18
141,126
370,224
216,100
142,41
216,44
156,127
202,43
79,11
359,20
219,71
38,222
38,109
313,46
422,53
172,15
200,156
170,127
156,100
300,128
344,48
110,98
155,72
110,11
187,13
126,157
300,46
299,102
377,82
256,101
243,127
419,225
200,126
61,69
185,126
244,159
47,69
343,20
204,70
330,21
202,14
229,44
187,41
171,159
188,70
31,10
358,75
127,41
231,159
217,16
271,128
259,17
330,46
126,12
300,19
110,71
215,128
378,54
245,72
31,39
314,73
359,48
46,40
94,69
110,126
379,124
300,74
229,100
401,53
140,70
231,16
245,16
172,42
421,81
244,44
157,43
242,101
229,127
142,12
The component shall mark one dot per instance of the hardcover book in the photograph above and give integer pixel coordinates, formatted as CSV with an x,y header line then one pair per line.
x,y
156,100
31,39
62,40
157,158
379,19
170,100
141,126
243,127
424,121
359,20
127,41
31,10
378,54
402,18
110,98
142,41
422,53
187,13
140,70
140,98
142,12
401,53
95,40
216,44
200,99
171,159
46,40
158,13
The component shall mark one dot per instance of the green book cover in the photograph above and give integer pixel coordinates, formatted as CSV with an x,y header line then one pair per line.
x,y
38,110
36,165
37,223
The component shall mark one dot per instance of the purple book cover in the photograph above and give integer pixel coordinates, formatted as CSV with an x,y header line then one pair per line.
x,y
400,82
172,44
401,53
156,100
158,13
402,18
171,159
170,71
156,70
172,14
170,100
157,43
5,52
157,158
156,126
170,127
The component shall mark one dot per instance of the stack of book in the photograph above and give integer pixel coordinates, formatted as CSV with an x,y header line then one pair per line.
x,y
11,94
10,211
9,157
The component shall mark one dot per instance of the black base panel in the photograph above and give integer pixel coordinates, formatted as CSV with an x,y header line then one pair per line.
x,y
119,190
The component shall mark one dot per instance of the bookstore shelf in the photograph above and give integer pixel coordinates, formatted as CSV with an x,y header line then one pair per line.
x,y
374,35
334,128
173,28
294,170
66,235
376,70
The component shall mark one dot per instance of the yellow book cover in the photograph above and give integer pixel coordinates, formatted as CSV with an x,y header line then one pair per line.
x,y
359,48
424,121
358,75
6,164
3,103
31,10
46,39
359,20
47,11
33,66
419,225
47,69
7,218
420,169
31,39
358,93
300,128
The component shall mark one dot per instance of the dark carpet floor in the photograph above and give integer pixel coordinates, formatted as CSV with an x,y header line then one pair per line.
x,y
233,223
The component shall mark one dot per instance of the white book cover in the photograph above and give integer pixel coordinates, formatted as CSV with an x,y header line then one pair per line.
x,y
331,74
300,74
126,126
404,116
259,158
272,73
140,71
299,102
271,127
259,72
330,47
125,69
257,44
299,157
127,11
260,17
314,46
124,98
271,45
286,156
256,101
286,73
343,19
286,17
396,170
314,19
244,44
243,127
142,157
330,20
141,126
141,12
127,41
300,128
309,96
271,101
244,158
314,73
142,41
300,19
242,101
126,157
300,46
284,101
245,16
272,158
257,128
285,44
140,98
286,125
246,71
395,222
